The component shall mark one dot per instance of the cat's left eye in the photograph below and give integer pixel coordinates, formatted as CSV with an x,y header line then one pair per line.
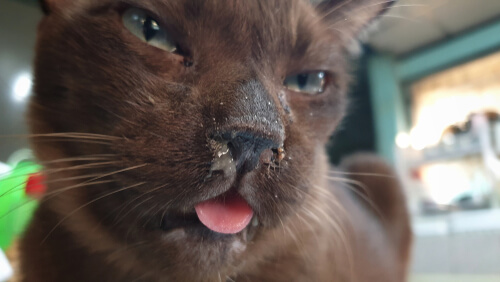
x,y
310,82
142,25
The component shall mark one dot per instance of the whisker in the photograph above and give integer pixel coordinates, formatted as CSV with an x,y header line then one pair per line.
x,y
406,5
338,228
365,197
350,181
335,171
364,174
50,195
122,207
148,212
97,157
87,204
345,19
403,18
84,141
119,171
65,135
128,247
21,186
76,167
52,171
343,33
309,226
34,161
390,7
135,219
138,204
45,199
331,10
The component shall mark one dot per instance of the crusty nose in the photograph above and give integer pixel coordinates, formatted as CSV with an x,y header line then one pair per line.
x,y
246,149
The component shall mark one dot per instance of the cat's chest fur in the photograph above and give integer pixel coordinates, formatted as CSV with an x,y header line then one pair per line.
x,y
183,141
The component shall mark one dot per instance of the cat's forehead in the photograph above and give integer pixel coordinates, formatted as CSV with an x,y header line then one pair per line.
x,y
257,32
268,21
222,8
243,10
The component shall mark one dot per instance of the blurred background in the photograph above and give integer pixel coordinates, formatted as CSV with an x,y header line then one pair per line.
x,y
426,98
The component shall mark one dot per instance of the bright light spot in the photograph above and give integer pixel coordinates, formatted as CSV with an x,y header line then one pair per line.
x,y
445,182
403,140
417,139
22,87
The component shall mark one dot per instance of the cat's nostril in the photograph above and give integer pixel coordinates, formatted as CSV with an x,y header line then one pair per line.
x,y
267,156
247,148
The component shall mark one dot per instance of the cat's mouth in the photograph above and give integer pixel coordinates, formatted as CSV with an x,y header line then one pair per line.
x,y
222,216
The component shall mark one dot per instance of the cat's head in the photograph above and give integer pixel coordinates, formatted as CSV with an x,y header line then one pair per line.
x,y
180,102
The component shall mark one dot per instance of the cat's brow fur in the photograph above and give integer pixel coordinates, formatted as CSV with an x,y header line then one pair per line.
x,y
150,118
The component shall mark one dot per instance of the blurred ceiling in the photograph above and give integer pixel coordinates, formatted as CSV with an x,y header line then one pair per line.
x,y
413,24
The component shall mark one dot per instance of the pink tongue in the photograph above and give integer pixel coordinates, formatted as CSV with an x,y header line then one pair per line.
x,y
227,215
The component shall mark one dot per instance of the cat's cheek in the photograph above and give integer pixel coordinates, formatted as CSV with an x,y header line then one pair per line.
x,y
304,106
319,115
167,65
157,61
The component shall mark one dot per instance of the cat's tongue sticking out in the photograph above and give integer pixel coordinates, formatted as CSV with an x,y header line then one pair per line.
x,y
228,214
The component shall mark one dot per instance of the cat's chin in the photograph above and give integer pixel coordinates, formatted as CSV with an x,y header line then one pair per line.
x,y
190,228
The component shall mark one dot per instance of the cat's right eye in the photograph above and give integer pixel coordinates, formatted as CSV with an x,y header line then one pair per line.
x,y
311,83
146,28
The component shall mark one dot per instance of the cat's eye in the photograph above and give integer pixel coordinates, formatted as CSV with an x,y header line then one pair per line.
x,y
142,25
310,82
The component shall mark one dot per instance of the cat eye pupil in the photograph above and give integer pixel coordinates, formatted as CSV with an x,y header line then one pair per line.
x,y
302,80
150,29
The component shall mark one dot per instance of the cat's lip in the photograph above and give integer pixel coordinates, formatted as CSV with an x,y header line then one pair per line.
x,y
192,227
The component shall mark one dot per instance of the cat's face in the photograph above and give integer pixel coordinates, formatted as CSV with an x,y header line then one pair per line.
x,y
202,99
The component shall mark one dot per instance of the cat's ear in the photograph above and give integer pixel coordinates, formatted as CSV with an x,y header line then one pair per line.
x,y
49,6
351,16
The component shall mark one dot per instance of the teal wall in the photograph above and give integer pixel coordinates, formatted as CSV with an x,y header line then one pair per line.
x,y
387,105
388,77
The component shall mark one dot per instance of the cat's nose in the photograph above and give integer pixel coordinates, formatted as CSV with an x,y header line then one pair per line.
x,y
247,149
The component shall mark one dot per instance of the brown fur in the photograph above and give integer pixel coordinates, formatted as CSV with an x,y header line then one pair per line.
x,y
136,123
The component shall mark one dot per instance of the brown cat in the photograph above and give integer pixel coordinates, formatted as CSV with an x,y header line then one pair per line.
x,y
184,140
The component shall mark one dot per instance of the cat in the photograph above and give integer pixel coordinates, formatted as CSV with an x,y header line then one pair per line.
x,y
184,140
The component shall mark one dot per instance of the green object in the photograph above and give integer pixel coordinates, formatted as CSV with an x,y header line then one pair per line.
x,y
16,208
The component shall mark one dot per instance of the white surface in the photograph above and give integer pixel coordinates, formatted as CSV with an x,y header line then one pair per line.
x,y
4,168
453,278
457,222
6,271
